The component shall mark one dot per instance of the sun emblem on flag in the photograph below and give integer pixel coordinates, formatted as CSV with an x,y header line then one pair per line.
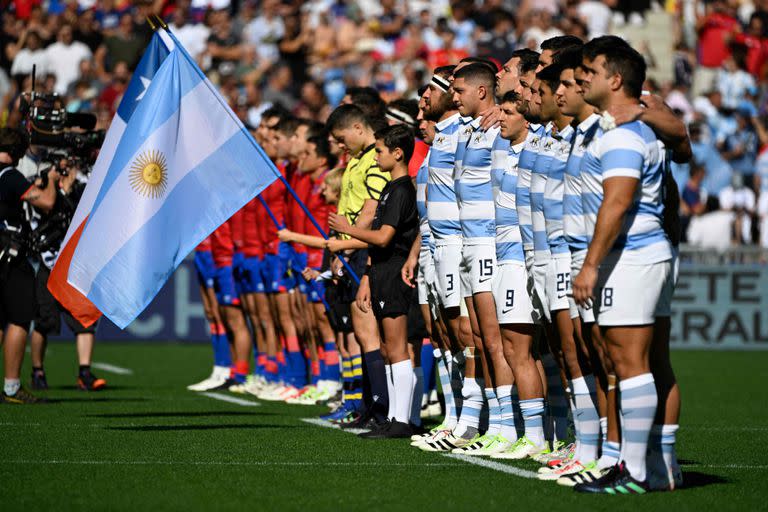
x,y
149,174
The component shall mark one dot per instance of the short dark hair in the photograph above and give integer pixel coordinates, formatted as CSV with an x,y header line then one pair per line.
x,y
480,60
323,148
477,73
288,126
529,59
559,43
276,111
510,97
550,75
368,100
345,116
398,136
570,58
410,107
620,59
13,142
313,127
444,71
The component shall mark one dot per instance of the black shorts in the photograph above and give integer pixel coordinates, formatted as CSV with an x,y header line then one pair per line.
x,y
75,326
417,329
339,314
390,296
18,297
48,318
347,287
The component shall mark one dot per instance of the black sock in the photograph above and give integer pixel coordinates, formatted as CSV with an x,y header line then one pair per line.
x,y
367,402
378,379
85,369
37,369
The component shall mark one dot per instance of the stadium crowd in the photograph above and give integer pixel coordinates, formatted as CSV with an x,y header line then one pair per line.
x,y
500,182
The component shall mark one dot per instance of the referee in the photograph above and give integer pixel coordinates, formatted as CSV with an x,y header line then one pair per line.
x,y
18,304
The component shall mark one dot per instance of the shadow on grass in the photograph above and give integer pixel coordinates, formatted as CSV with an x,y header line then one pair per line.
x,y
198,414
162,428
694,479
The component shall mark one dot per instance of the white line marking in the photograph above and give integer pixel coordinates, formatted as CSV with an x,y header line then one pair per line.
x,y
218,463
722,466
112,368
497,466
231,399
726,428
320,423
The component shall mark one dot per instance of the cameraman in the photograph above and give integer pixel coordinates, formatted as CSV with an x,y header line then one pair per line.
x,y
18,304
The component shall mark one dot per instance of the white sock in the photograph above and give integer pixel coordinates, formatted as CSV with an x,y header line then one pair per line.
x,y
494,411
443,363
11,386
587,420
403,382
473,404
390,391
508,430
638,400
418,395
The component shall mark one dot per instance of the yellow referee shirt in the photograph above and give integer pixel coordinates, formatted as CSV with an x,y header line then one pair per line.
x,y
361,180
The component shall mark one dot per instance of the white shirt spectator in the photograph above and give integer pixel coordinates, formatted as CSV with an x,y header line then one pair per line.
x,y
26,58
538,35
64,62
734,86
216,5
740,198
711,230
264,34
677,100
597,16
192,37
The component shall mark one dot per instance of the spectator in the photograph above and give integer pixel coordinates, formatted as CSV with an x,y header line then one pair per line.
x,y
733,81
266,30
193,37
756,45
278,89
761,188
125,45
705,153
740,200
87,30
715,29
693,198
740,148
63,58
28,52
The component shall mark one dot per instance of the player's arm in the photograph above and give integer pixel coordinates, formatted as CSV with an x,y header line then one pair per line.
x,y
665,124
378,237
287,235
408,272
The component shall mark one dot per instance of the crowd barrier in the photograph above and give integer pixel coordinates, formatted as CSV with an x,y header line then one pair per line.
x,y
721,302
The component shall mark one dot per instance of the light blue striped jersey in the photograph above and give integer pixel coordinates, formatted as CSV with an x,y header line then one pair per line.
x,y
421,204
539,173
630,150
573,214
523,193
509,242
442,207
485,156
554,189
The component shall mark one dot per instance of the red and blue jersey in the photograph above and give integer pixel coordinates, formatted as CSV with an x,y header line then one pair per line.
x,y
320,210
252,247
222,247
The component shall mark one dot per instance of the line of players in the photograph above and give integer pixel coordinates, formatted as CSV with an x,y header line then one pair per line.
x,y
573,183
549,169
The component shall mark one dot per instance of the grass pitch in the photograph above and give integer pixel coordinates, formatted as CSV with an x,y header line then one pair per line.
x,y
146,443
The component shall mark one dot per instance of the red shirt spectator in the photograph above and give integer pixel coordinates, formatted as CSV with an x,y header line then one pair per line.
x,y
714,33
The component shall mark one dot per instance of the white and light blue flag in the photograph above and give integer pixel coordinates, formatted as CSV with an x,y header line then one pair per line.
x,y
184,165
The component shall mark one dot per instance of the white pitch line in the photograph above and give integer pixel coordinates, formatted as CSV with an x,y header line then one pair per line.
x,y
214,463
722,466
497,466
231,399
320,423
112,368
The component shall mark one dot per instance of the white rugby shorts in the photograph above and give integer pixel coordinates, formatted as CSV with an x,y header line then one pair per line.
x,y
447,260
628,295
558,286
478,266
510,292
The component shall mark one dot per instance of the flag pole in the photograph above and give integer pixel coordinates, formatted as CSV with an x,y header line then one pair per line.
x,y
271,167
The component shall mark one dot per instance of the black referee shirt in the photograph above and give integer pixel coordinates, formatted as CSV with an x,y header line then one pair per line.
x,y
396,208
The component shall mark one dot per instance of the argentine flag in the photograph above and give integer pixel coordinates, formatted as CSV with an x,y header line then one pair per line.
x,y
184,165
157,50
